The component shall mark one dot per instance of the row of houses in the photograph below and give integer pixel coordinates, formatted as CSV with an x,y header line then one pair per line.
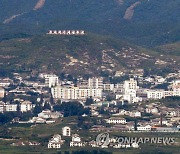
x,y
24,106
56,142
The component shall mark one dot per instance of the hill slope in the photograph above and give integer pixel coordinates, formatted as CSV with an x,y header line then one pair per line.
x,y
78,55
144,22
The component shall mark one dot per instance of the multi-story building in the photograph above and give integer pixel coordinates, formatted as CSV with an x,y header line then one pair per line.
x,y
10,107
51,80
108,87
168,93
66,131
71,92
130,85
26,106
2,92
176,88
95,83
2,107
155,94
130,89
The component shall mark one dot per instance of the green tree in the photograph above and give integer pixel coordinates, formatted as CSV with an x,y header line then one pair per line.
x,y
37,109
47,106
89,101
71,109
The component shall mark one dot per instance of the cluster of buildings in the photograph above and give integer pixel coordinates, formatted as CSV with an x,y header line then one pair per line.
x,y
161,93
24,106
92,88
56,142
95,88
46,116
109,104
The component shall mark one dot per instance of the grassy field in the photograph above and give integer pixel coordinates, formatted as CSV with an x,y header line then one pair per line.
x,y
43,132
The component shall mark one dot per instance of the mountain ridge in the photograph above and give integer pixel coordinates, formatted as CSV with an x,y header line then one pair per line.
x,y
79,55
97,16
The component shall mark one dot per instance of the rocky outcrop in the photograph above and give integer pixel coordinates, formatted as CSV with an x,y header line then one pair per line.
x,y
8,20
120,2
130,11
39,4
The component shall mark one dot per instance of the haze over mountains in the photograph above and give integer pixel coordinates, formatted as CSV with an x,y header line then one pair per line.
x,y
143,22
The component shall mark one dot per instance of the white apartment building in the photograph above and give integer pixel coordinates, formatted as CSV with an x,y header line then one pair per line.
x,y
168,93
176,88
10,107
95,83
66,131
108,87
116,120
5,82
2,92
118,88
130,95
26,106
71,92
155,94
130,88
130,85
2,107
51,80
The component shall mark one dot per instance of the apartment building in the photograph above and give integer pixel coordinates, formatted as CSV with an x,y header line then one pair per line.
x,y
51,80
155,94
96,83
71,92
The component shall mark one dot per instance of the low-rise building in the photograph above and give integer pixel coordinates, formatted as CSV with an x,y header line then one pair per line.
x,y
55,142
135,114
116,120
76,141
144,128
46,114
10,107
155,94
152,110
5,82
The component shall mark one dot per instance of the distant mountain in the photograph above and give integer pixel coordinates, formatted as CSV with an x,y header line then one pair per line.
x,y
143,22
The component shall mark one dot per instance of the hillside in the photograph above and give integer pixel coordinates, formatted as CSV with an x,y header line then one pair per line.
x,y
143,22
170,49
78,55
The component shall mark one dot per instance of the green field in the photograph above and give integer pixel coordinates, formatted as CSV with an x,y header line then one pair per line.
x,y
43,132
